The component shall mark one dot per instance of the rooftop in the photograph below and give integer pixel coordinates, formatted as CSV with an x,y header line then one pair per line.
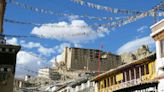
x,y
156,23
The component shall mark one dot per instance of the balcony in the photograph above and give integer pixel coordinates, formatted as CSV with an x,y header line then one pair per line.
x,y
134,82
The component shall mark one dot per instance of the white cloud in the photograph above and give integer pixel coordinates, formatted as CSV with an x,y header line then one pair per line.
x,y
40,48
61,47
77,45
12,41
30,44
142,29
28,63
59,58
53,61
46,51
75,32
24,57
73,17
56,60
134,44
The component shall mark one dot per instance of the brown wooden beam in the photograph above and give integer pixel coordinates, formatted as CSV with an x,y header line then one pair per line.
x,y
2,11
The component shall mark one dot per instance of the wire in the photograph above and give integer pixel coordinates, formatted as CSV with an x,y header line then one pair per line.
x,y
111,25
34,9
18,36
116,23
109,9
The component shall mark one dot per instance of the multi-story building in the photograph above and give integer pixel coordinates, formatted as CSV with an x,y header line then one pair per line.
x,y
130,77
44,72
143,75
49,73
158,35
87,59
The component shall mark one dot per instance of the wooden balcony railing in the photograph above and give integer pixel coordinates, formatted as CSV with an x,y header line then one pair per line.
x,y
142,79
130,83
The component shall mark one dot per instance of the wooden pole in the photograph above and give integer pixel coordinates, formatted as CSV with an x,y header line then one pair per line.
x,y
2,11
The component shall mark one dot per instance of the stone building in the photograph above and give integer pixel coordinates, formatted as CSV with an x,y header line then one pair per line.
x,y
87,59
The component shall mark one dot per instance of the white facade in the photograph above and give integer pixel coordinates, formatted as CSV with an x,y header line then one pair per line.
x,y
45,72
158,35
51,88
83,87
27,77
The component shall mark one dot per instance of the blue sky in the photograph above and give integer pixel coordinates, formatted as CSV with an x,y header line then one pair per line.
x,y
114,41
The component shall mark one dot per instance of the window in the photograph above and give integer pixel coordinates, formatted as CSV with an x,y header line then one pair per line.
x,y
105,83
124,74
142,70
132,74
127,75
3,76
111,80
147,69
162,48
98,85
108,82
114,80
137,72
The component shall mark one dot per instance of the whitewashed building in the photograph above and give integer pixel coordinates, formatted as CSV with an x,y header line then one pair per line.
x,y
80,85
44,72
158,35
48,73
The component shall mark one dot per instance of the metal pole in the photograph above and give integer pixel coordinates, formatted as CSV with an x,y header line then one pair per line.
x,y
87,64
99,62
99,59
